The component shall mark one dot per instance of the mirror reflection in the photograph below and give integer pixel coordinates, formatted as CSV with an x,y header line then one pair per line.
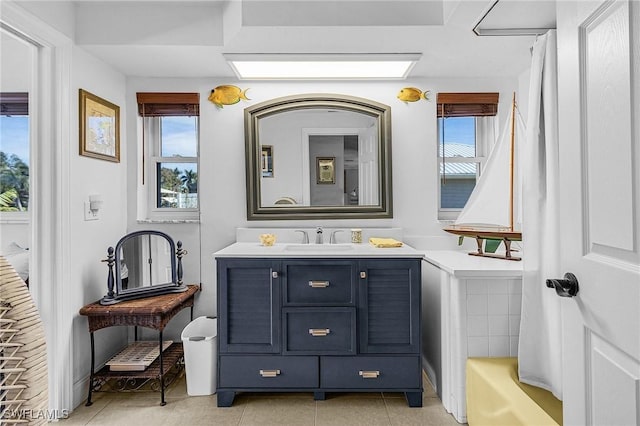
x,y
143,263
307,142
318,156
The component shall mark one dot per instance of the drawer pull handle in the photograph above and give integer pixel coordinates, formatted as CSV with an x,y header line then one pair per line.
x,y
269,373
319,284
363,274
369,374
319,332
274,274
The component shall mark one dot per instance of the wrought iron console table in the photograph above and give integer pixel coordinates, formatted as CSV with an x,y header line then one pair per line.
x,y
151,312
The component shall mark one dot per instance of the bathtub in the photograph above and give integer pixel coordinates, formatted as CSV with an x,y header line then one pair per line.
x,y
496,397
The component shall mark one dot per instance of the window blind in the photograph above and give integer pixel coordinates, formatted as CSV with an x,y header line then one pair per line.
x,y
467,104
168,104
14,103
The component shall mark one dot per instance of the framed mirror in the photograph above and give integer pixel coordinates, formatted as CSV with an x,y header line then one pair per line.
x,y
328,157
143,263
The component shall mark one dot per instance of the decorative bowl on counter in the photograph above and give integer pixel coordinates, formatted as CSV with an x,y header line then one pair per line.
x,y
267,240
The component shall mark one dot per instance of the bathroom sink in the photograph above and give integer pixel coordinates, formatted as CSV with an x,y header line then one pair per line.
x,y
318,248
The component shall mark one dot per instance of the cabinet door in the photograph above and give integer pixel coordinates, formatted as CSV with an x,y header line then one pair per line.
x,y
248,306
389,306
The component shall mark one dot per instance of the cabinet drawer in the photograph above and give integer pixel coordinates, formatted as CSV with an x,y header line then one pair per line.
x,y
319,283
266,371
320,330
368,372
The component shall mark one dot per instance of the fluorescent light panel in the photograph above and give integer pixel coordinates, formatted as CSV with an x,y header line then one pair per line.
x,y
321,67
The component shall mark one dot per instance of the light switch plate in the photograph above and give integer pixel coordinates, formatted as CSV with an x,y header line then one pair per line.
x,y
88,214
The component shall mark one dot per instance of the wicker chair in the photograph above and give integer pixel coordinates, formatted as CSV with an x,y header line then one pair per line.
x,y
24,394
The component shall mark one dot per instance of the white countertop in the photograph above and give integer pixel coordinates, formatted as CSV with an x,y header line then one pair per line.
x,y
460,264
292,250
294,235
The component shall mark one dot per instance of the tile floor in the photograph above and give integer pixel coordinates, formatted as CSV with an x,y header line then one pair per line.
x,y
262,409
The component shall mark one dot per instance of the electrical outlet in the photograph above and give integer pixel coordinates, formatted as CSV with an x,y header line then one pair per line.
x,y
88,214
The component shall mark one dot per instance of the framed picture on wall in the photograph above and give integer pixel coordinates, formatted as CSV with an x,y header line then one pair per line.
x,y
99,128
266,161
325,170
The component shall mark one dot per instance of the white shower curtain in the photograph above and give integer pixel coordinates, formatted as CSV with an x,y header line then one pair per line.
x,y
540,347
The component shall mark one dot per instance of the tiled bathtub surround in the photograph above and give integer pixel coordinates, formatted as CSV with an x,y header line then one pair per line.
x,y
493,317
479,302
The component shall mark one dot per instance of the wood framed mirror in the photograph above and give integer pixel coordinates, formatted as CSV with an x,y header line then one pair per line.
x,y
302,131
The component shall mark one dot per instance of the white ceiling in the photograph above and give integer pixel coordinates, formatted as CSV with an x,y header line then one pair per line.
x,y
188,38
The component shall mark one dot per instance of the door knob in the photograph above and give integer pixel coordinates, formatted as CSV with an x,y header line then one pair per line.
x,y
566,287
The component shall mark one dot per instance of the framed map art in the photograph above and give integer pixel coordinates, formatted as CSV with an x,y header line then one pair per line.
x,y
99,128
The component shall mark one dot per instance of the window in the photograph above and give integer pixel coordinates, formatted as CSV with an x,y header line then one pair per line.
x,y
170,138
14,152
465,135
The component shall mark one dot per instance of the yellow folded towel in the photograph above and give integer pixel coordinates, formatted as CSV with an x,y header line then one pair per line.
x,y
384,242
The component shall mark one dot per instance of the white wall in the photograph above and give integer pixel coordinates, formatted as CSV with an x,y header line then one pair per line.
x,y
90,239
222,163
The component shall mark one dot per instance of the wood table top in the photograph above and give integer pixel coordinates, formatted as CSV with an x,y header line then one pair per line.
x,y
146,305
151,311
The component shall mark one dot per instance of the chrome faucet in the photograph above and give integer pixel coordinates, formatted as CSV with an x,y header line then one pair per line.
x,y
305,236
319,235
332,238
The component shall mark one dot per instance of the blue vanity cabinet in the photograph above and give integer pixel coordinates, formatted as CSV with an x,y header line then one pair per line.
x,y
248,306
319,325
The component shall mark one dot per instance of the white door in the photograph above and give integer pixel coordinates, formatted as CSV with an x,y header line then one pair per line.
x,y
599,140
368,177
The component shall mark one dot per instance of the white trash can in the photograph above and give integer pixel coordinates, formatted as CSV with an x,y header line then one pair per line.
x,y
199,342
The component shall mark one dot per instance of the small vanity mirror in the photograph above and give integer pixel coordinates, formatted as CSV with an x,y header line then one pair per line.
x,y
318,156
143,263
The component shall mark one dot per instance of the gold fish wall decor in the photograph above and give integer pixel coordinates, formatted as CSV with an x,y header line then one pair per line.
x,y
411,94
227,95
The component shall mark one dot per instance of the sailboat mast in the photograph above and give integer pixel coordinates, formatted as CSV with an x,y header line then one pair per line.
x,y
511,159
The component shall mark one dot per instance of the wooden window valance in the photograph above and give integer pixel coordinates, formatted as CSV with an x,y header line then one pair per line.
x,y
467,104
168,104
14,103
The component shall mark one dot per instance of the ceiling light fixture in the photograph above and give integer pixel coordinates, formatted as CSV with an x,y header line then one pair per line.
x,y
262,66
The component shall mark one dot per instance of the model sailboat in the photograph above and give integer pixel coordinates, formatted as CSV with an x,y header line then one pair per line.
x,y
488,216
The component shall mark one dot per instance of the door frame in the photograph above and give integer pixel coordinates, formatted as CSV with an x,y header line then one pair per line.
x,y
307,132
50,133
